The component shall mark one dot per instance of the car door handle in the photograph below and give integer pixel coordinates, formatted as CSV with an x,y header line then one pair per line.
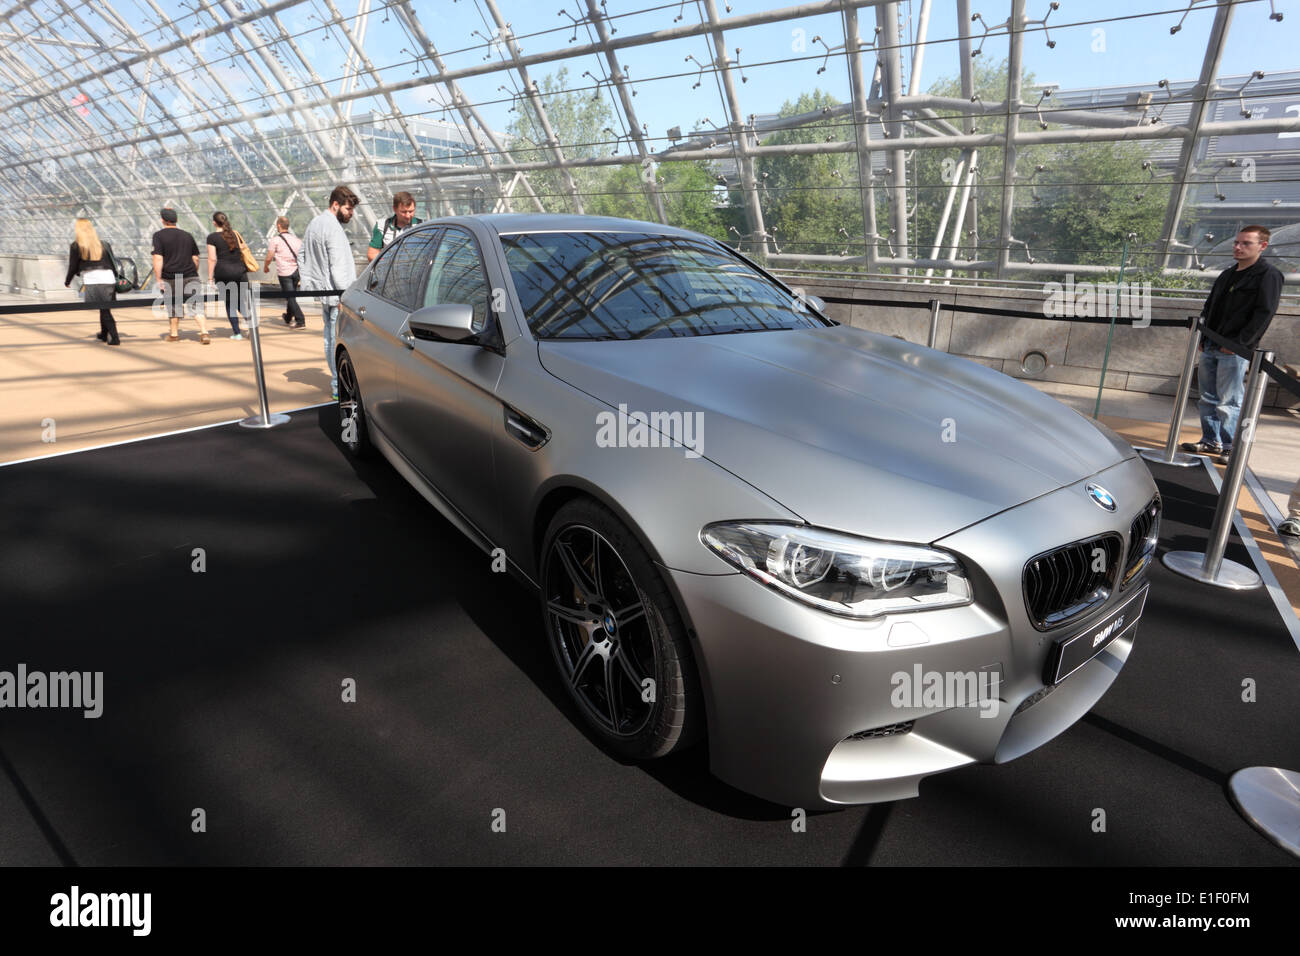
x,y
526,431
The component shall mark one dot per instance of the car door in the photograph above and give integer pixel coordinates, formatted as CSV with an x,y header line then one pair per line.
x,y
447,390
376,308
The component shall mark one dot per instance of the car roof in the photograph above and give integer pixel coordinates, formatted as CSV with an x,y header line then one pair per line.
x,y
512,223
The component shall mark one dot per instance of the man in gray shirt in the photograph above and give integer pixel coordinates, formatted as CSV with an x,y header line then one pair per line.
x,y
327,263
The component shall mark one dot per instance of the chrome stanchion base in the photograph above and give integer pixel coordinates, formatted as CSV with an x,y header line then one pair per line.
x,y
1180,459
256,421
1233,576
1269,799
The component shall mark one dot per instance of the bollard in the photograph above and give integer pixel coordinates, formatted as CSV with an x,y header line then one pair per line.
x,y
1211,568
265,419
1171,455
934,323
1269,799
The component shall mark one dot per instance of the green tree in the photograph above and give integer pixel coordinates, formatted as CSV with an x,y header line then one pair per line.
x,y
811,203
686,188
580,122
1074,203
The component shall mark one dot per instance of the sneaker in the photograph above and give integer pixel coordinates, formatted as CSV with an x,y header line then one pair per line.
x,y
173,338
1290,527
1202,448
237,337
299,325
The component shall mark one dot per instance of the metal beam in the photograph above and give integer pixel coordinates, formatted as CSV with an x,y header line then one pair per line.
x,y
629,112
862,133
1204,90
759,239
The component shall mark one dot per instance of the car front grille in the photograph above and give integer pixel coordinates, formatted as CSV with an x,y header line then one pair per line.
x,y
1072,580
1143,535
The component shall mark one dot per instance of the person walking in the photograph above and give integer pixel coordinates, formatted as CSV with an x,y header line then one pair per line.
x,y
226,266
283,250
92,259
1240,306
403,217
176,271
327,263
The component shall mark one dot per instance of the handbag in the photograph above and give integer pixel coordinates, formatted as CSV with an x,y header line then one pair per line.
x,y
250,264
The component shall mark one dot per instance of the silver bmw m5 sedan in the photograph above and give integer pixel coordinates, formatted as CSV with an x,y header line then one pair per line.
x,y
846,561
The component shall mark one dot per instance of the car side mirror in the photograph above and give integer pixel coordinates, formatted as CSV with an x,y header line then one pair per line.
x,y
443,323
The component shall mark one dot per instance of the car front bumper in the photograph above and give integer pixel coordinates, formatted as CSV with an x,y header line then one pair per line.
x,y
809,710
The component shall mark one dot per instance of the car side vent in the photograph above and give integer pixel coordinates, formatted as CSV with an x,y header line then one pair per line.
x,y
1143,536
1072,580
889,730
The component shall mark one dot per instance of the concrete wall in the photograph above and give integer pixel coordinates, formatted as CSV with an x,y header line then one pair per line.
x,y
1141,359
32,275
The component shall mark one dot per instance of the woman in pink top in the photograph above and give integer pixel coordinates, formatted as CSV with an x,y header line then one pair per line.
x,y
283,249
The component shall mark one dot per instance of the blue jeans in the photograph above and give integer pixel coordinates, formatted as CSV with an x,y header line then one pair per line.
x,y
330,313
1222,390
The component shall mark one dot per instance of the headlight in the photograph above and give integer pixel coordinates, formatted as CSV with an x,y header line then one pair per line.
x,y
840,573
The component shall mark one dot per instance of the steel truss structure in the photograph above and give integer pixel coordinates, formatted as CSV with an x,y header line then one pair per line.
x,y
115,108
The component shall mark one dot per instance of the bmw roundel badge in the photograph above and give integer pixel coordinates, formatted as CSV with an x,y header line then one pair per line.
x,y
1100,495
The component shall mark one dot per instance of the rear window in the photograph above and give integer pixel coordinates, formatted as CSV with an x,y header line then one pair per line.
x,y
600,285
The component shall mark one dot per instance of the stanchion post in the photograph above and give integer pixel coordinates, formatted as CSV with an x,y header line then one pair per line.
x,y
1210,567
265,419
1172,456
1242,442
934,323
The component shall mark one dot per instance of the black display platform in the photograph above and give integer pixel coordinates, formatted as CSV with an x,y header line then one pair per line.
x,y
222,691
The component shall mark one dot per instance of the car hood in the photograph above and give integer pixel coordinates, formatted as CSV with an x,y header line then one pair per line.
x,y
849,429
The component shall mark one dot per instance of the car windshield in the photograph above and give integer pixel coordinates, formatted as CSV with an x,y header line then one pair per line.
x,y
602,285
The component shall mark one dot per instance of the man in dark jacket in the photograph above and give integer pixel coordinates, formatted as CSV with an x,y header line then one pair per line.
x,y
1240,306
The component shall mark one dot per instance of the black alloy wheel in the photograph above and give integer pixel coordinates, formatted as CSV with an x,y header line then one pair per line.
x,y
352,416
616,635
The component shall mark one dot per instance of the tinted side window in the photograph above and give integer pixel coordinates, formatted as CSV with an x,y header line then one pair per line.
x,y
379,271
410,259
457,276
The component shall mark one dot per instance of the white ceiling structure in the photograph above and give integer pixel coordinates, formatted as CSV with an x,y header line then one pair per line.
x,y
113,109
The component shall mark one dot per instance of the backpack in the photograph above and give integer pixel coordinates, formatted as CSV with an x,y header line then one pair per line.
x,y
128,279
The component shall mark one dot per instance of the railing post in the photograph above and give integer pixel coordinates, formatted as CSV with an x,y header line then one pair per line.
x,y
1211,568
934,323
1172,456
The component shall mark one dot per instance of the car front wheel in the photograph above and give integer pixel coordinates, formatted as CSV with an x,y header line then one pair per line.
x,y
352,414
616,635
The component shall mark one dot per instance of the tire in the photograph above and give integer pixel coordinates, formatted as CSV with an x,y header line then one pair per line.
x,y
612,625
355,439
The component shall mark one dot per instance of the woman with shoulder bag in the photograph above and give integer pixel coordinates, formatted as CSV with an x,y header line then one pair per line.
x,y
228,266
92,259
283,249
